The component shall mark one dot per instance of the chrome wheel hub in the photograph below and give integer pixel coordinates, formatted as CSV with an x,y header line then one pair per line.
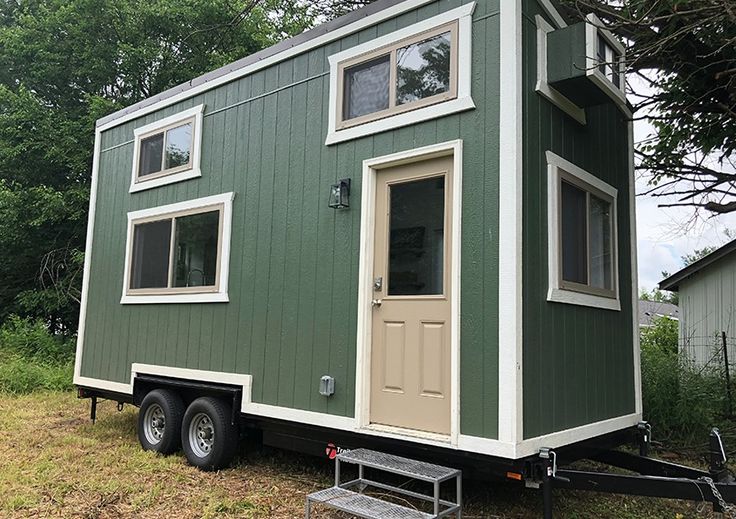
x,y
201,435
154,424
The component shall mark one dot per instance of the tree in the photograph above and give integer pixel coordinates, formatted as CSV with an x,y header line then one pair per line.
x,y
685,53
64,64
689,259
659,296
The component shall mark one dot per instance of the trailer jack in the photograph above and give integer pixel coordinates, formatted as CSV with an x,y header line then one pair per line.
x,y
652,478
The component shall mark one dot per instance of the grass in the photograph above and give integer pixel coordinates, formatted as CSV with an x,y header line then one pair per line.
x,y
56,463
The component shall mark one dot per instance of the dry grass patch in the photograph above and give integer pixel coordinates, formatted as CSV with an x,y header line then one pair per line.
x,y
55,463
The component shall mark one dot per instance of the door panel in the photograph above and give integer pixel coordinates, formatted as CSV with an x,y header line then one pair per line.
x,y
432,354
410,351
393,356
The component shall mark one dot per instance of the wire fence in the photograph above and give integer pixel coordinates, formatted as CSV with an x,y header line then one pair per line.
x,y
715,354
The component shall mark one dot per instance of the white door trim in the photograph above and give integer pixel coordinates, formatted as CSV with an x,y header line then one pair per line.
x,y
365,281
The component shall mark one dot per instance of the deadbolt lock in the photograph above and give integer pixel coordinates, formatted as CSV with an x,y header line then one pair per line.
x,y
377,284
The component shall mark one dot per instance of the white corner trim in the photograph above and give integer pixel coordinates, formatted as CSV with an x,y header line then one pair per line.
x,y
220,296
553,13
634,272
542,86
368,21
576,434
195,171
593,27
556,294
510,329
365,279
462,102
87,257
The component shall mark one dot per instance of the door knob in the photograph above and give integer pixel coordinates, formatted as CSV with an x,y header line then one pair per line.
x,y
376,302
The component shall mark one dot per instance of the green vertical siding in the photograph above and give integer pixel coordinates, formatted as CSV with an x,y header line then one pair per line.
x,y
578,361
294,262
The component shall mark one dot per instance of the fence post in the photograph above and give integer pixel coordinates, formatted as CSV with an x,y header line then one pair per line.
x,y
728,374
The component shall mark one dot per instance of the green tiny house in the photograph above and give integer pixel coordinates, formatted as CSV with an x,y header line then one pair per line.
x,y
470,288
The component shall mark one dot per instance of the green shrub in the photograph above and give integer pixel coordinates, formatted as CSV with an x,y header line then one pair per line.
x,y
31,340
20,376
680,400
33,359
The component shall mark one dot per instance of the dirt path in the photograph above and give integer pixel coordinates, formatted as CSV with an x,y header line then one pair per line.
x,y
55,463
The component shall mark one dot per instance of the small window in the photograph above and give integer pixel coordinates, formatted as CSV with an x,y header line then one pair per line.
x,y
582,237
167,151
609,61
178,249
412,73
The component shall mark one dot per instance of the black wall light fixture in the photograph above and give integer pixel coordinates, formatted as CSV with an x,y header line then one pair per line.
x,y
340,194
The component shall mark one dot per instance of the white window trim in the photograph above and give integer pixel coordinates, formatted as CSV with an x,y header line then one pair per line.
x,y
194,171
542,86
463,101
221,296
593,28
556,164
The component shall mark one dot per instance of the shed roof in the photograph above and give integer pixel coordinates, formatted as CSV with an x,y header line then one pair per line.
x,y
650,310
672,283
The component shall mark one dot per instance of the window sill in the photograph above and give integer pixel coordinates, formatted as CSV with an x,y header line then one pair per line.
x,y
435,111
557,295
165,180
212,297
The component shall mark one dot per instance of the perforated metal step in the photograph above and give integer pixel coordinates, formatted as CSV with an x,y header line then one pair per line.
x,y
364,506
398,465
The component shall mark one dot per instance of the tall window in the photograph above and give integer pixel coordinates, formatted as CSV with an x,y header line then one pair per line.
x,y
586,238
582,237
178,250
168,150
409,74
609,61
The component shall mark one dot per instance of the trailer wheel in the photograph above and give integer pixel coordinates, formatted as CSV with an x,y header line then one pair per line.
x,y
208,436
159,421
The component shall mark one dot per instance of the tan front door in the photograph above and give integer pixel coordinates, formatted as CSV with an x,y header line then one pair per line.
x,y
410,356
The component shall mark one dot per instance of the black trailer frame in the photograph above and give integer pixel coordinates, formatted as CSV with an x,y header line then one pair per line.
x,y
546,470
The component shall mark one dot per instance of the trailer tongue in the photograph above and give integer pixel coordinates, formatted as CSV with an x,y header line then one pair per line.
x,y
652,478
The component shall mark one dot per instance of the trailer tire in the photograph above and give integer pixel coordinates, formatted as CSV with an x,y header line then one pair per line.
x,y
208,436
159,421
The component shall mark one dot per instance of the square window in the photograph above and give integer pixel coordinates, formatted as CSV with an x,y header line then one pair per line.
x,y
423,69
168,150
367,87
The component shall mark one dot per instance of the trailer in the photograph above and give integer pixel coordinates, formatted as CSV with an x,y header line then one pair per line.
x,y
411,228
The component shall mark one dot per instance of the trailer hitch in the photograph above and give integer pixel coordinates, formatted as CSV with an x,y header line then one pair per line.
x,y
651,477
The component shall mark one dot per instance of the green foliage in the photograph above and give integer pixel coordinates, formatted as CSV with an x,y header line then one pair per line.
x,y
689,259
32,359
684,56
63,65
681,401
659,296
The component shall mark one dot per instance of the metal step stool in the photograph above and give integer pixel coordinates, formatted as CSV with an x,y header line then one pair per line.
x,y
341,497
